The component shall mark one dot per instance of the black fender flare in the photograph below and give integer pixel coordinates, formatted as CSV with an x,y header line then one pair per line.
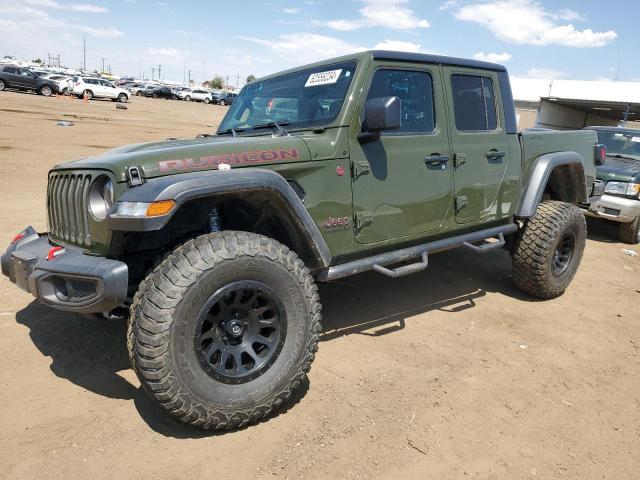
x,y
185,187
540,174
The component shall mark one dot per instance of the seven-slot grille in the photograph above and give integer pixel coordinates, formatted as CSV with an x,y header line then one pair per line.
x,y
67,206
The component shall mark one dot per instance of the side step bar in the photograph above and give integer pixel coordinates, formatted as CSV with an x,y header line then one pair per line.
x,y
378,262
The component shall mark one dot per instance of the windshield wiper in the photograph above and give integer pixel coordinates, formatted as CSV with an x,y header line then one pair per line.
x,y
622,155
232,131
277,125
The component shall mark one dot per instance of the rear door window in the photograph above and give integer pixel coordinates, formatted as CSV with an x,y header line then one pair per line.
x,y
474,103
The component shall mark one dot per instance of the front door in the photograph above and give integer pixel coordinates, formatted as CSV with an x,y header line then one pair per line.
x,y
479,143
402,183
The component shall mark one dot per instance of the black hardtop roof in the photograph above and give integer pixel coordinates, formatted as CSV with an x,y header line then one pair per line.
x,y
430,58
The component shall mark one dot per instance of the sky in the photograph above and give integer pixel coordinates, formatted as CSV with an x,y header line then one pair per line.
x,y
572,39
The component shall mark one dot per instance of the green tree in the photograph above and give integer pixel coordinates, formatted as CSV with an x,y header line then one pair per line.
x,y
37,60
251,78
217,82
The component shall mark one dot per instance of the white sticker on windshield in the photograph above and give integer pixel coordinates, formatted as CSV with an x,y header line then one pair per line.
x,y
635,139
323,78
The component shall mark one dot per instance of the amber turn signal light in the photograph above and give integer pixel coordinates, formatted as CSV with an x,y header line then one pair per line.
x,y
160,208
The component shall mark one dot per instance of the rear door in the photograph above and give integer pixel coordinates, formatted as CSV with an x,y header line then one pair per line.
x,y
11,76
478,140
402,183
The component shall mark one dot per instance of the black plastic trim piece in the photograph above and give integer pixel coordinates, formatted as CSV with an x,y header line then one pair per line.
x,y
369,263
189,186
508,105
437,59
540,176
26,264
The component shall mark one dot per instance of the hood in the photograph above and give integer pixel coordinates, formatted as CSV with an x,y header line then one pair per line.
x,y
619,169
178,156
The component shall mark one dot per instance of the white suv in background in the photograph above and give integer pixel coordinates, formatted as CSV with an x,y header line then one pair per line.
x,y
197,95
99,88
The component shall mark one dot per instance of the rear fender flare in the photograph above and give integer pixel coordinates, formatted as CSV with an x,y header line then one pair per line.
x,y
185,187
540,175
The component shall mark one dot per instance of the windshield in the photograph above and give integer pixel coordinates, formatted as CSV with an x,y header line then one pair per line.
x,y
620,143
303,99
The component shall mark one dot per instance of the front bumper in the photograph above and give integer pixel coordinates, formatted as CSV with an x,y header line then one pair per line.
x,y
617,209
70,281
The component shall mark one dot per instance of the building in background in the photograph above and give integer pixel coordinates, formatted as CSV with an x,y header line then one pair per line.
x,y
570,104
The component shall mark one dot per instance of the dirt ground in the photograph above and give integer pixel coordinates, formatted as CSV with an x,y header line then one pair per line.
x,y
447,374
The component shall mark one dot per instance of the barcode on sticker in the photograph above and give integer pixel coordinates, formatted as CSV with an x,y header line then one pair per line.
x,y
323,78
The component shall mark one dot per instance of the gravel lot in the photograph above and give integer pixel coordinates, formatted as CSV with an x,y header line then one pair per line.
x,y
447,374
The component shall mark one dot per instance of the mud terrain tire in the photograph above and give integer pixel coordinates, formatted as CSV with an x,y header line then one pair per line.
x,y
549,249
630,232
172,308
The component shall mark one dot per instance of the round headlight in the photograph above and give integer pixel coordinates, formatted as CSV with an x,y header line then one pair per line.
x,y
101,197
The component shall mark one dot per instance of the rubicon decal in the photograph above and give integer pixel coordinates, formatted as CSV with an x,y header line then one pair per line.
x,y
244,158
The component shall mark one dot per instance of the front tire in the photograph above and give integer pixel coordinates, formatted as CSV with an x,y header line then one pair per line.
x,y
222,103
630,232
122,98
207,101
187,98
224,330
549,249
46,91
88,94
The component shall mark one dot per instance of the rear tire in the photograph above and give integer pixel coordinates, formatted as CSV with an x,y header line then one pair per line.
x,y
199,326
187,98
207,101
549,249
630,232
3,85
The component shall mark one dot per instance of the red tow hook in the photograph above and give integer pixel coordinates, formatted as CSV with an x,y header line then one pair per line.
x,y
18,237
54,252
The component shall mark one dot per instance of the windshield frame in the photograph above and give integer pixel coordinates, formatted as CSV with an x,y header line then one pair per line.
x,y
295,126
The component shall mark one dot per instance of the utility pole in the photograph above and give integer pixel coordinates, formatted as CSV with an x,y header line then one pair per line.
x,y
141,73
237,80
160,72
189,78
620,55
204,70
226,82
102,71
153,72
84,53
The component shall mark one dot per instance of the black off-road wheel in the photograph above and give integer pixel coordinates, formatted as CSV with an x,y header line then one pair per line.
x,y
548,250
224,330
630,232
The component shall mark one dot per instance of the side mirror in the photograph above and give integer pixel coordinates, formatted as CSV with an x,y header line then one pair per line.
x,y
380,114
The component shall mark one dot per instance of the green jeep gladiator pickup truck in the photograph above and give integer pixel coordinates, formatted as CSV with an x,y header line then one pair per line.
x,y
213,246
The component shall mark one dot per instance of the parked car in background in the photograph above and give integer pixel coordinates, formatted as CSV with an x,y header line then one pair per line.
x,y
161,92
61,80
13,76
197,95
224,98
621,172
99,88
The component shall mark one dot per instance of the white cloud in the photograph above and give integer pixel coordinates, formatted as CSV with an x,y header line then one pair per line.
x,y
397,45
305,47
545,73
448,4
393,14
492,57
527,22
291,11
74,7
109,32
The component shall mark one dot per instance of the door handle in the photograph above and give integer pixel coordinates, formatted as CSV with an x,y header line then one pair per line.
x,y
493,154
436,159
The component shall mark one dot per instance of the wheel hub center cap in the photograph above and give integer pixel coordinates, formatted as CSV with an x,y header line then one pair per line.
x,y
235,328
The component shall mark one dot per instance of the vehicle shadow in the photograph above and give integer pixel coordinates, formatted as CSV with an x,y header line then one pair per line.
x,y
90,352
602,231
